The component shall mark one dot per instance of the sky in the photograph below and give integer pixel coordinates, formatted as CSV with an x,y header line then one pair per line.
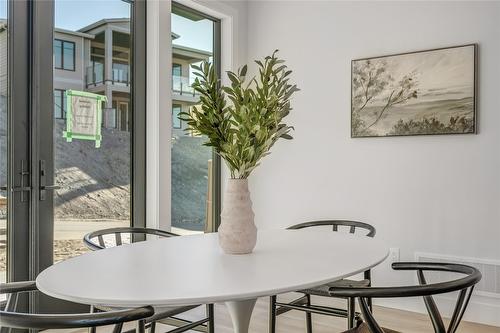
x,y
75,14
3,9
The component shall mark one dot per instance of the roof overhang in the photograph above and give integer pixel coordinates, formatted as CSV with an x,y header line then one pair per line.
x,y
74,33
189,54
102,22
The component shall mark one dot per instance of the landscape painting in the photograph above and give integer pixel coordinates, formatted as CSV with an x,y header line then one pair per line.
x,y
418,93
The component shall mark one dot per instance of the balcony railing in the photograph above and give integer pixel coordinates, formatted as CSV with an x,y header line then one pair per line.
x,y
95,75
182,86
120,74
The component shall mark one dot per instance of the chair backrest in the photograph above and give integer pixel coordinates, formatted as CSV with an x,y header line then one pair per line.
x,y
353,225
464,285
10,319
100,239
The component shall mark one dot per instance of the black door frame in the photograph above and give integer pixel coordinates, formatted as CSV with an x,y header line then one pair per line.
x,y
30,137
18,141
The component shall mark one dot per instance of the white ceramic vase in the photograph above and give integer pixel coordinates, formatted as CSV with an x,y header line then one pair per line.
x,y
237,231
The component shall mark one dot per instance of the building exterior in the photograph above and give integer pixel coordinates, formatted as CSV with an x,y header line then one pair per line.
x,y
96,59
183,96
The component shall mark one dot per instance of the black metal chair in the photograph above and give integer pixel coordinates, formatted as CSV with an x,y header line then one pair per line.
x,y
106,238
463,285
10,319
304,303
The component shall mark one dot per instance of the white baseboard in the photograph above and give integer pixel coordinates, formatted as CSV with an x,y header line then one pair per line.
x,y
481,309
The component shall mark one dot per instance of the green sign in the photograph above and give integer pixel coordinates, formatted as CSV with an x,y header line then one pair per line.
x,y
83,116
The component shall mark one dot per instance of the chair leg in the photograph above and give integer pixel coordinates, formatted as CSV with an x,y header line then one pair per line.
x,y
351,309
141,326
309,327
92,329
358,320
368,276
272,314
211,319
118,328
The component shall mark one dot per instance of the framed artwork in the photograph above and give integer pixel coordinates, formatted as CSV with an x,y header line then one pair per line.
x,y
418,93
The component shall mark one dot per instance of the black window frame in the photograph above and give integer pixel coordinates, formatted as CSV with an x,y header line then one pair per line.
x,y
31,95
62,41
63,104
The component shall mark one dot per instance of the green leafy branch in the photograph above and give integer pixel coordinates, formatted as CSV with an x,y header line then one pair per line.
x,y
244,120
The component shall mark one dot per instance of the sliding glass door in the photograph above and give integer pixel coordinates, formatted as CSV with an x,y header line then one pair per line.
x,y
195,168
79,67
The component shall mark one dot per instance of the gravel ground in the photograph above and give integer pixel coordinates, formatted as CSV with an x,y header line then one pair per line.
x,y
95,182
64,249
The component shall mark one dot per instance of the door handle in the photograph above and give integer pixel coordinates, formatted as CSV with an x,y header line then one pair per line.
x,y
49,187
16,189
42,187
22,188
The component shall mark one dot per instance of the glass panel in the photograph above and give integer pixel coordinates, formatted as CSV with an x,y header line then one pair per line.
x,y
3,138
95,72
192,43
58,107
94,182
69,54
176,122
63,105
176,70
120,72
58,54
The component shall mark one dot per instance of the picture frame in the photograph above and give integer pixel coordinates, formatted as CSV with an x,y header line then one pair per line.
x,y
427,92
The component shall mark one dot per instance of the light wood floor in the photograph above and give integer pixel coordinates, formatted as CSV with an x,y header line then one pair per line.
x,y
294,321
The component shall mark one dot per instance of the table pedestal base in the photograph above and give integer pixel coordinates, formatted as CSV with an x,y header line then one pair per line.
x,y
241,312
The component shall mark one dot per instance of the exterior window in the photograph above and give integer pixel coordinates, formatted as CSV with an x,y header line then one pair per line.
x,y
64,55
59,104
176,122
176,70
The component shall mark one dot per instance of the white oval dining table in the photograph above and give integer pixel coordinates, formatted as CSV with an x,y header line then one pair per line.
x,y
189,270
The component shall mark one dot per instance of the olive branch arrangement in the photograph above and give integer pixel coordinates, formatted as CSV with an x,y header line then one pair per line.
x,y
244,120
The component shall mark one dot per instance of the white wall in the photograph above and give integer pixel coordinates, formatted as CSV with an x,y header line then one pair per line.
x,y
438,194
158,120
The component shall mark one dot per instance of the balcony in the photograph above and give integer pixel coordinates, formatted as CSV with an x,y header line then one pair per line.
x,y
182,86
94,75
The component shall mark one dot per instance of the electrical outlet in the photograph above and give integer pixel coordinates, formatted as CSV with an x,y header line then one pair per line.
x,y
394,254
